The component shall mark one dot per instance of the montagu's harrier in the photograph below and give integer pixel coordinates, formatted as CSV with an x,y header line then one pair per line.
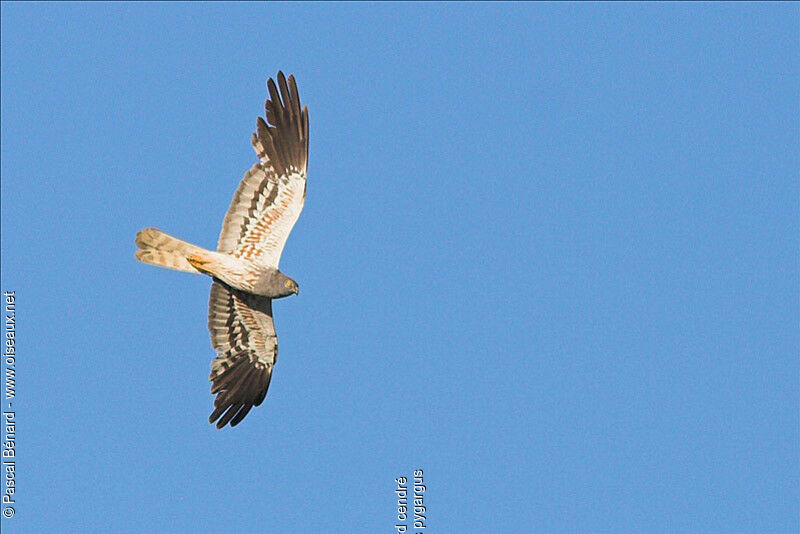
x,y
244,267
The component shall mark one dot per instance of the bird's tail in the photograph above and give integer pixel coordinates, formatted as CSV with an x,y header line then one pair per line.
x,y
158,248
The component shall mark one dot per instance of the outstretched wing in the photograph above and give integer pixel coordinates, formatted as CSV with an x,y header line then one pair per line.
x,y
271,195
243,334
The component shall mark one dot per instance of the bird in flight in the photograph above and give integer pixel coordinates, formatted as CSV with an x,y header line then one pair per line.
x,y
244,268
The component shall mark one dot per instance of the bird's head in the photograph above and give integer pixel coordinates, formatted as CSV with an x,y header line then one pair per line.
x,y
291,285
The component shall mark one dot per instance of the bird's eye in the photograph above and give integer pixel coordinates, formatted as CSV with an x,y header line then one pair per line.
x,y
288,283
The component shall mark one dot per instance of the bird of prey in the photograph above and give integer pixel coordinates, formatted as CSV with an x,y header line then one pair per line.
x,y
244,268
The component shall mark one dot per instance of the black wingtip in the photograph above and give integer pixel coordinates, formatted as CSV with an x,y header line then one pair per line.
x,y
239,387
284,135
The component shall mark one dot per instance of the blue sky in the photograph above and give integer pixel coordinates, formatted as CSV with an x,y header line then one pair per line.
x,y
549,255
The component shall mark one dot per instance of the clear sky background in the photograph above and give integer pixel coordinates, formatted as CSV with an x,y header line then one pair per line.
x,y
549,255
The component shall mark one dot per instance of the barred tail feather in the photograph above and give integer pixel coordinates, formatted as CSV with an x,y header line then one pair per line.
x,y
163,250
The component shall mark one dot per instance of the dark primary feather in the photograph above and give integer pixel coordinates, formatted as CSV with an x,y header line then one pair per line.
x,y
236,396
284,135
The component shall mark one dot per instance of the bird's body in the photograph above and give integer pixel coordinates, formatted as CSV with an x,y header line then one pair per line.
x,y
244,267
